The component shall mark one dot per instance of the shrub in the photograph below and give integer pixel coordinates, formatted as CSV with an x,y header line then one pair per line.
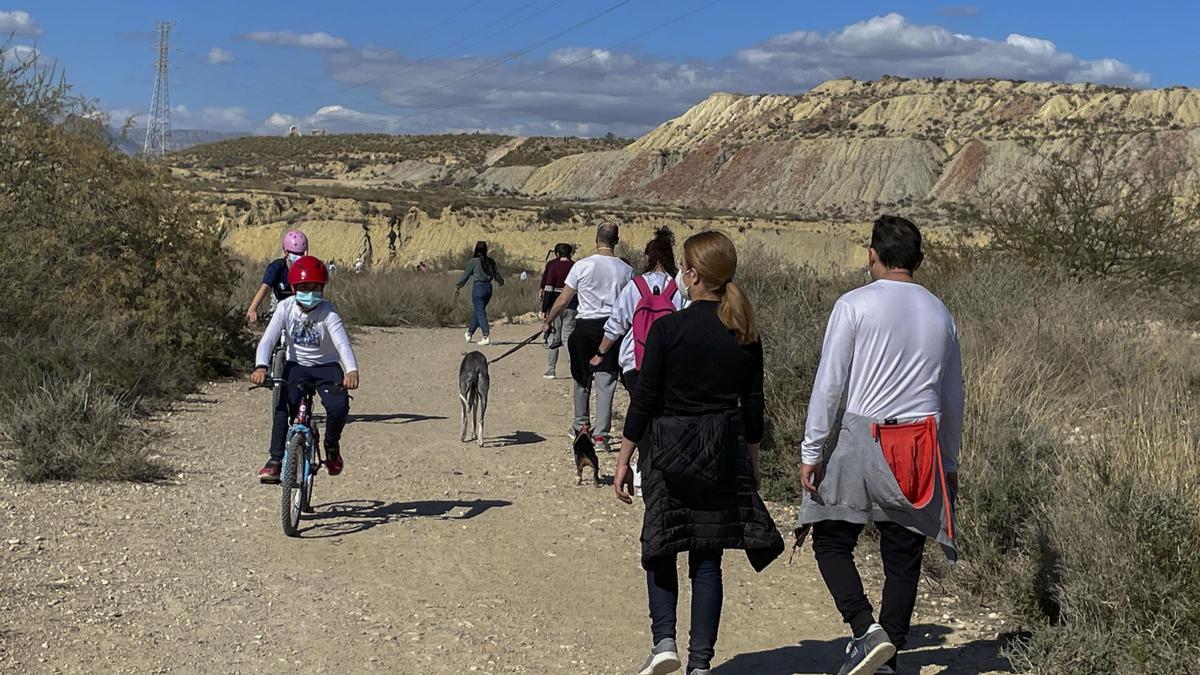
x,y
108,277
556,214
1101,215
75,430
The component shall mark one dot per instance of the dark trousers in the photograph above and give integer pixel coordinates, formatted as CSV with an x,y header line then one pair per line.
x,y
833,542
629,378
481,295
662,584
336,403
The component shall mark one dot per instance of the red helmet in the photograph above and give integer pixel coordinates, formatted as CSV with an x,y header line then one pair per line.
x,y
308,270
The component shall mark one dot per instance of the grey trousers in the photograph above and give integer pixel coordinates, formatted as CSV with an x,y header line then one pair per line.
x,y
562,327
605,386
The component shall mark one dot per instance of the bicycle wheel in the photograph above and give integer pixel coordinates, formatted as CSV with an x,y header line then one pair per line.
x,y
291,482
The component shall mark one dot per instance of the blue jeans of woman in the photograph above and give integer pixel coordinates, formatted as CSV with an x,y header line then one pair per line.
x,y
662,585
481,295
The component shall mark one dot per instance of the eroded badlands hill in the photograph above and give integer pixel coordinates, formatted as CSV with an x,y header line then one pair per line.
x,y
847,148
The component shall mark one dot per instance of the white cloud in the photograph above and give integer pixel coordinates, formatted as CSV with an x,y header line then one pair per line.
x,y
279,121
21,53
218,56
593,90
287,38
210,118
891,45
18,23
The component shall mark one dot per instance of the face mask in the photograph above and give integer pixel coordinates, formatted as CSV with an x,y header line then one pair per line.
x,y
292,258
683,288
308,299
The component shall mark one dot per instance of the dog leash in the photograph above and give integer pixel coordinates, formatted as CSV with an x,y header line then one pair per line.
x,y
525,342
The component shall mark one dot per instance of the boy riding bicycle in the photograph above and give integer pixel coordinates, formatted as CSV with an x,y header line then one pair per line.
x,y
318,353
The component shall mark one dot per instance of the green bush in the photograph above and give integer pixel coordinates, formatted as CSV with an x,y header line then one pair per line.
x,y
110,279
76,430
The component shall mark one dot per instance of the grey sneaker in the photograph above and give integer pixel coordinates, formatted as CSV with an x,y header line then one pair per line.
x,y
549,374
699,671
663,659
866,654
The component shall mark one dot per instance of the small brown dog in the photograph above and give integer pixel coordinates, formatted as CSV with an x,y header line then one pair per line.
x,y
585,455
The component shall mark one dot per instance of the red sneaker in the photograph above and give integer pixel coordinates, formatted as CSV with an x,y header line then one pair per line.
x,y
333,462
269,473
601,443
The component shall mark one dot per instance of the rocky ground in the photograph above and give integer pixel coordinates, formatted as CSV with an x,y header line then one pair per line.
x,y
426,555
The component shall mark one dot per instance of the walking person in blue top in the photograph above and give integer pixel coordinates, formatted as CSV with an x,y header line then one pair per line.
x,y
481,270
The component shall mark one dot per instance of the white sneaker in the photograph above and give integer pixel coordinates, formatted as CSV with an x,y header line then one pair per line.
x,y
663,659
485,341
467,336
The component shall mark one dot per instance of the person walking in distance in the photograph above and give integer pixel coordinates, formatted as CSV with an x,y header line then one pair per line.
x,y
597,280
481,270
554,280
891,352
697,415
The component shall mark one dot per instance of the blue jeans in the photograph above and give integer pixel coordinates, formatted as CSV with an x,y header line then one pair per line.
x,y
481,295
336,403
662,585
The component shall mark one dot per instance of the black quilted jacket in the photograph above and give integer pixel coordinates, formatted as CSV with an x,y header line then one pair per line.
x,y
699,490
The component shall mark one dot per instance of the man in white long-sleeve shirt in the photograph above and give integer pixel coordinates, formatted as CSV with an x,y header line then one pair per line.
x,y
881,441
318,353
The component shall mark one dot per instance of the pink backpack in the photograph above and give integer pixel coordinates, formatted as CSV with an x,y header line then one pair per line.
x,y
650,308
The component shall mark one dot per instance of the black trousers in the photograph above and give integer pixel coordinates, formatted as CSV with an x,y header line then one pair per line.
x,y
833,542
629,378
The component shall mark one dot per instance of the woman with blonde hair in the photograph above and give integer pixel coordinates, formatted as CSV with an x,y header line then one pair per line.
x,y
696,417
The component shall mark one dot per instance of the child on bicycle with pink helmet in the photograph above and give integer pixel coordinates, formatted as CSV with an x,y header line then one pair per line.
x,y
275,278
318,354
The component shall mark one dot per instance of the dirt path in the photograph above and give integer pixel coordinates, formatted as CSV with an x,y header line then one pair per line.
x,y
426,555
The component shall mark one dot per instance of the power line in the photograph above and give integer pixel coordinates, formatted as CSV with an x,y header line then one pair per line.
x,y
442,84
573,62
447,48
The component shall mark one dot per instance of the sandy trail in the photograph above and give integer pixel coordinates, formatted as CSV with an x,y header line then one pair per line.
x,y
425,556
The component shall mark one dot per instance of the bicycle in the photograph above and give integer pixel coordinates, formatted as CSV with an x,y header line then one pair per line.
x,y
302,457
278,355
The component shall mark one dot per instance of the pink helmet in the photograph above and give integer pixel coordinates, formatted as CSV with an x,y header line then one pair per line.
x,y
295,242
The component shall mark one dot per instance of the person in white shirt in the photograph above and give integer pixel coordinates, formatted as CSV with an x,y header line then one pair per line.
x,y
318,353
891,366
596,280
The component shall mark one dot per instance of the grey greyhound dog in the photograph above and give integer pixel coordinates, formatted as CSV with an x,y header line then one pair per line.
x,y
473,384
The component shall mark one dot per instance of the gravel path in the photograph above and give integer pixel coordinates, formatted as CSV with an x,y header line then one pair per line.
x,y
424,556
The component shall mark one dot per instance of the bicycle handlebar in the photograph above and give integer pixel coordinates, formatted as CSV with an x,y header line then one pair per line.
x,y
273,382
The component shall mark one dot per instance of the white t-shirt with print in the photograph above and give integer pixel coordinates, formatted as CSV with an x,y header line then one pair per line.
x,y
598,280
314,338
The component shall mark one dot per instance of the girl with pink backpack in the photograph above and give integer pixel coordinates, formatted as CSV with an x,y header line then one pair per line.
x,y
652,295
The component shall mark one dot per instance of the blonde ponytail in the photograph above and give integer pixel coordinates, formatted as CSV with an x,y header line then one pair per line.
x,y
714,257
736,312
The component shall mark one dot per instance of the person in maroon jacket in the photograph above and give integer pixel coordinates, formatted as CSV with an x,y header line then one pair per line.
x,y
554,278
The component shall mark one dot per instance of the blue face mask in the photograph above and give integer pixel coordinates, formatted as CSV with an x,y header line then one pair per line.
x,y
292,258
308,299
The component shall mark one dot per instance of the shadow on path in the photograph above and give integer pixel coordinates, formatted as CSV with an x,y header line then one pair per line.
x,y
515,438
393,418
338,519
826,656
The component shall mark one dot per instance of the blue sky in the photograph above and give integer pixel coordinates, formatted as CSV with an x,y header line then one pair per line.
x,y
528,66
